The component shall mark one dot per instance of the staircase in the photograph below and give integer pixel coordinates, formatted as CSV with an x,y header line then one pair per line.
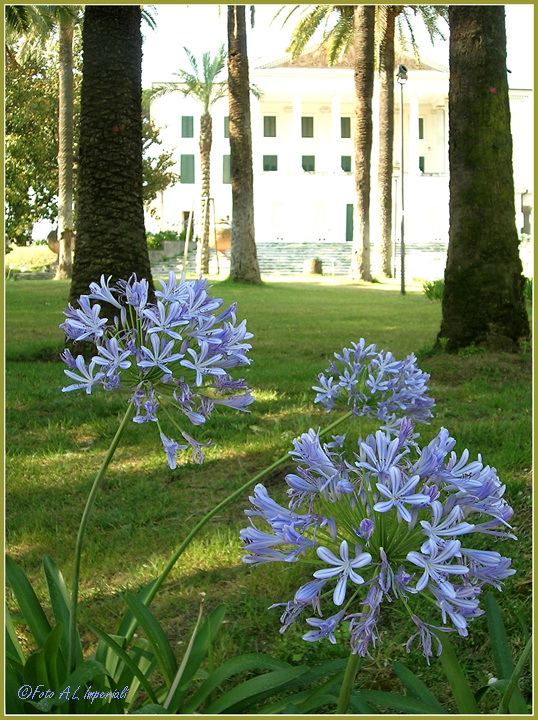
x,y
281,258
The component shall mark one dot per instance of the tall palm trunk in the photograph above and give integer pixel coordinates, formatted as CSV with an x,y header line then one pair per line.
x,y
244,261
65,151
363,40
111,238
483,296
386,139
206,140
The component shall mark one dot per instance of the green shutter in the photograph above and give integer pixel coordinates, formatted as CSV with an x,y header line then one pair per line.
x,y
307,127
226,175
269,126
187,169
227,126
346,163
309,163
345,127
349,223
270,163
187,126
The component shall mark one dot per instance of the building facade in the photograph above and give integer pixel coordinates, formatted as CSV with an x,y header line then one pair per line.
x,y
303,162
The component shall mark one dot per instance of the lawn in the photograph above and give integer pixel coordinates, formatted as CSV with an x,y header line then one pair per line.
x,y
55,443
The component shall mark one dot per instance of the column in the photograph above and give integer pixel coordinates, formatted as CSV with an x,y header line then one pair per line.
x,y
295,149
413,145
336,132
256,130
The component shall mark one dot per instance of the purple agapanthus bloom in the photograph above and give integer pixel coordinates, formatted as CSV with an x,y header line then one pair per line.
x,y
416,510
376,384
175,352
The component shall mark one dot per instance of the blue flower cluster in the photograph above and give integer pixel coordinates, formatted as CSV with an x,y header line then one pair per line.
x,y
377,385
393,522
175,353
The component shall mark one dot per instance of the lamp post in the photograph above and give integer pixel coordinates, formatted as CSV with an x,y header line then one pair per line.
x,y
401,77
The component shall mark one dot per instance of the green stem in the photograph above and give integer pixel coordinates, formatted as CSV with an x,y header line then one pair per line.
x,y
162,577
82,530
347,684
512,684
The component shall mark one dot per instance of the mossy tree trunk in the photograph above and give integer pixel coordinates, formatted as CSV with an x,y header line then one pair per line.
x,y
363,40
244,260
206,141
111,238
483,296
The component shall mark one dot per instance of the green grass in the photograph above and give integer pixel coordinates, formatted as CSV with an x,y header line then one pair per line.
x,y
55,443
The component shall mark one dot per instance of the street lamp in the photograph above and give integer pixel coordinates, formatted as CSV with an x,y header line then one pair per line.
x,y
401,77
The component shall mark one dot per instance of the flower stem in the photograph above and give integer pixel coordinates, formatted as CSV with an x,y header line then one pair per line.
x,y
347,684
82,530
162,577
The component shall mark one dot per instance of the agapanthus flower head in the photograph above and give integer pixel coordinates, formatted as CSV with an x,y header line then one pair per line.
x,y
375,384
403,527
174,355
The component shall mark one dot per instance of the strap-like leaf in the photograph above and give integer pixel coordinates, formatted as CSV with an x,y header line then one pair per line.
x,y
50,653
458,682
155,635
79,677
416,688
13,645
151,709
204,637
128,623
254,690
124,657
28,603
241,663
502,657
396,702
61,606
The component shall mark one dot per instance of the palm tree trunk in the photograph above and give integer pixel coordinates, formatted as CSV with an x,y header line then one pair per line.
x,y
111,238
483,296
65,151
363,39
244,261
386,139
206,140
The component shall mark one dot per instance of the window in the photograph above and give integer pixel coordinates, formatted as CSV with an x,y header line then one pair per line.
x,y
269,126
187,126
226,126
421,128
421,163
307,127
346,163
187,169
345,127
309,163
270,163
226,175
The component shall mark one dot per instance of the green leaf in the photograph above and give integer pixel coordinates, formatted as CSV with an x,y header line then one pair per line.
x,y
251,661
359,704
28,603
13,645
458,682
396,702
78,678
143,657
254,690
61,606
155,635
416,688
50,653
150,710
14,705
129,624
504,665
204,637
124,657
512,683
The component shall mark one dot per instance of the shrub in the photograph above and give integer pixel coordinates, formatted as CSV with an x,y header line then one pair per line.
x,y
433,290
155,240
527,290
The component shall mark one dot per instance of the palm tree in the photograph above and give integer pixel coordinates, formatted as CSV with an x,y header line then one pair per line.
x,y
387,18
337,39
483,295
35,24
244,262
204,88
111,238
363,46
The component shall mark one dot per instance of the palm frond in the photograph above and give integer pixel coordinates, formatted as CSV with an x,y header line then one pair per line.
x,y
339,39
307,26
149,13
294,8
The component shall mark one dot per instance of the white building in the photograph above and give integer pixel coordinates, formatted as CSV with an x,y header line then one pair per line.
x,y
303,162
